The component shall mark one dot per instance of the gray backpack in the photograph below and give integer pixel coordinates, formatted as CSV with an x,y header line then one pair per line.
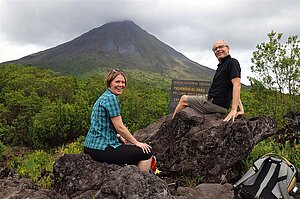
x,y
271,177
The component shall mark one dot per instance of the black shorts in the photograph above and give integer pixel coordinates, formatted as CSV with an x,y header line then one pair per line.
x,y
124,154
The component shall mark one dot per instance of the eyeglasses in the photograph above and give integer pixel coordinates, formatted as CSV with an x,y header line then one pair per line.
x,y
219,47
117,71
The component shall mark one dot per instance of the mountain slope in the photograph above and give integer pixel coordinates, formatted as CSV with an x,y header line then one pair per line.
x,y
117,45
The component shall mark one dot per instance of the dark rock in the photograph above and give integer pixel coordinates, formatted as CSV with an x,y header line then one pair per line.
x,y
207,191
6,172
78,176
203,146
12,186
191,147
297,195
132,183
15,188
290,132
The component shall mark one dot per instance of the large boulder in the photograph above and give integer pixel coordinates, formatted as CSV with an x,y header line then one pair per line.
x,y
78,176
13,186
203,147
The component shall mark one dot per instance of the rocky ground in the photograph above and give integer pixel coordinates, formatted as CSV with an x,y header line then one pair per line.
x,y
199,156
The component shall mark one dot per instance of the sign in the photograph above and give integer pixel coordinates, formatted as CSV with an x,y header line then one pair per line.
x,y
186,87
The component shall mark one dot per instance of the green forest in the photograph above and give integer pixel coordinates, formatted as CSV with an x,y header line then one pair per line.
x,y
44,115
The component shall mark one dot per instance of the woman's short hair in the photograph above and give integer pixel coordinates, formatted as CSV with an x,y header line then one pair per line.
x,y
112,75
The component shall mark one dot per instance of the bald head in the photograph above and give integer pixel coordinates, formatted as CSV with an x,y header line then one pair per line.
x,y
220,41
221,49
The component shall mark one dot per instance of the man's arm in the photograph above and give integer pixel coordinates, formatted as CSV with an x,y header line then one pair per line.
x,y
241,109
236,92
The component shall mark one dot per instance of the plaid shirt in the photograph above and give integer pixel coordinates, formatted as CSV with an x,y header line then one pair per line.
x,y
102,133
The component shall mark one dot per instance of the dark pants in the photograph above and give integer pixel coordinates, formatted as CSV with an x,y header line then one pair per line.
x,y
124,154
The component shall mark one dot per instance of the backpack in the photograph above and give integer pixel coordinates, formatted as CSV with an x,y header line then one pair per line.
x,y
271,177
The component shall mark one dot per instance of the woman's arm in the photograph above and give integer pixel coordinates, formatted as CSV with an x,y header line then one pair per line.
x,y
124,132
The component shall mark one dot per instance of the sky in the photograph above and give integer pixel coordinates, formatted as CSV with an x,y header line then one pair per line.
x,y
189,26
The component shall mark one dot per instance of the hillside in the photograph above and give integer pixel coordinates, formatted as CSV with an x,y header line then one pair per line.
x,y
117,45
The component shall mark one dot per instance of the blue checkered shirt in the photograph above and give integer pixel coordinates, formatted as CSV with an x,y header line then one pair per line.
x,y
102,133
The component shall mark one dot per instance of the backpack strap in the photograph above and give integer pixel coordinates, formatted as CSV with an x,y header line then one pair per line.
x,y
289,170
285,184
253,170
267,180
277,155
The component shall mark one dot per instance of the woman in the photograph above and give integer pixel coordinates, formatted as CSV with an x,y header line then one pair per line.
x,y
102,142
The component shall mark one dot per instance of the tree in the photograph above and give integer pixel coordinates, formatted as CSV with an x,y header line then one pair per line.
x,y
277,65
277,68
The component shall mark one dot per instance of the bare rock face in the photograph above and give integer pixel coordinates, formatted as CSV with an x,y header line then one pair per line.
x,y
78,176
133,184
207,191
14,188
203,146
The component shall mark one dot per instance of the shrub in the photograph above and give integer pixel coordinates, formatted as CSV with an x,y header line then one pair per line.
x,y
37,166
289,150
72,148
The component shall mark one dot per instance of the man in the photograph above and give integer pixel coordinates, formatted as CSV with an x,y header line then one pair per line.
x,y
225,88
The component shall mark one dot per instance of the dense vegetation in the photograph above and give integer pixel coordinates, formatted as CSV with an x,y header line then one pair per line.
x,y
41,109
44,114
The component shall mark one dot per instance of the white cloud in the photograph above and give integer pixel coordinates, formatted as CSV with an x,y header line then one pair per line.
x,y
11,50
190,27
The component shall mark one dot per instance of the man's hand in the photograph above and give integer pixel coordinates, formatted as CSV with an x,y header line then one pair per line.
x,y
231,115
239,113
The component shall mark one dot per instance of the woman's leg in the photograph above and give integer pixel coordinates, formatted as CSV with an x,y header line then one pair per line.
x,y
145,165
98,155
124,154
129,154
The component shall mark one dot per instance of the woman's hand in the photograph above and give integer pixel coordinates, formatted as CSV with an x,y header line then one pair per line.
x,y
145,147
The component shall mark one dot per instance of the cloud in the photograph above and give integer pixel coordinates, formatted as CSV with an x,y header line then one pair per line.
x,y
190,27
